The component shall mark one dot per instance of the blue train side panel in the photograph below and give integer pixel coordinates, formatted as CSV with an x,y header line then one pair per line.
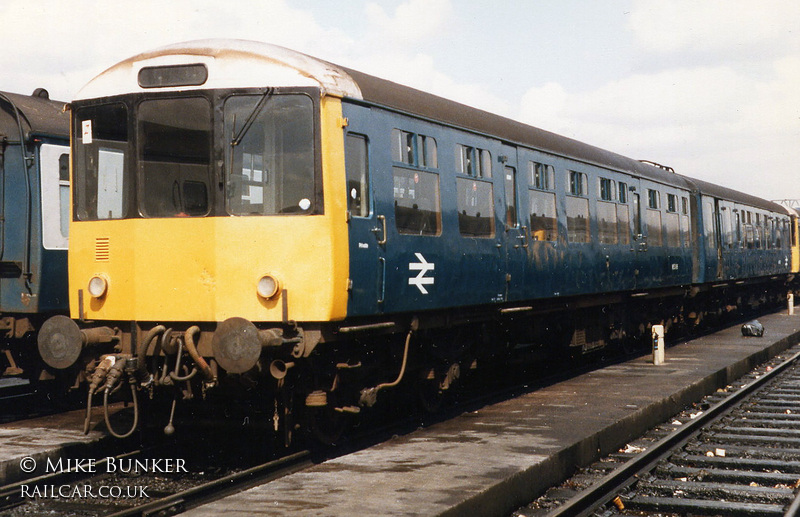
x,y
433,235
34,181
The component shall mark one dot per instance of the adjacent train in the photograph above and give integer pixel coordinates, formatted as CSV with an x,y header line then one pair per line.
x,y
246,215
34,224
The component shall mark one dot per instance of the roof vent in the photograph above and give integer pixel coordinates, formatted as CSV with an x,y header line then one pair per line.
x,y
41,93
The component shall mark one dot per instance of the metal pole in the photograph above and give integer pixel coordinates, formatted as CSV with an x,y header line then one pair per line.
x,y
658,344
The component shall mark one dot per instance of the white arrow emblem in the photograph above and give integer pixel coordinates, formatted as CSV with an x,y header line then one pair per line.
x,y
423,266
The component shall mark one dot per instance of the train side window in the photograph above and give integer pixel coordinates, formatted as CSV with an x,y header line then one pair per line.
x,y
63,192
653,199
623,192
607,222
655,236
414,149
357,172
577,219
473,161
686,231
544,224
577,183
416,202
510,183
55,205
608,189
403,147
709,226
429,153
673,229
623,224
672,203
759,231
475,207
542,175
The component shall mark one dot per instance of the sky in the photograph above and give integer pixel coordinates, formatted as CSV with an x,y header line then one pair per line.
x,y
708,87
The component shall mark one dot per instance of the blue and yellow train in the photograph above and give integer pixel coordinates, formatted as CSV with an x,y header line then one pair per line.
x,y
34,224
243,213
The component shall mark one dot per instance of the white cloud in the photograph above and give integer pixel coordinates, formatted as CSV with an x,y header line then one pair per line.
x,y
712,123
412,22
74,40
736,26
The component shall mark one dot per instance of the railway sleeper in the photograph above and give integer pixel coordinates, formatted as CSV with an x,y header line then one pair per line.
x,y
760,439
765,431
719,491
723,475
702,507
736,463
744,451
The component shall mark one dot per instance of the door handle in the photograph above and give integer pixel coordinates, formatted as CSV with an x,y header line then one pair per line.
x,y
382,220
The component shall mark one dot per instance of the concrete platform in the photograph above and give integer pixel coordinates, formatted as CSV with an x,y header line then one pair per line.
x,y
491,461
51,436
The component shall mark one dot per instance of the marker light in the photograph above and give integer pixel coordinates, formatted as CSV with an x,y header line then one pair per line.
x,y
267,286
98,286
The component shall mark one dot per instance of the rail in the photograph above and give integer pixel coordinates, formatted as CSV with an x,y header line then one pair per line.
x,y
606,489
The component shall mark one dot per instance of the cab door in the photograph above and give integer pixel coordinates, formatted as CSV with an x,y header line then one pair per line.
x,y
367,229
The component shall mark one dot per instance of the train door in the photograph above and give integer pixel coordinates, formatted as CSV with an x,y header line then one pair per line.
x,y
639,235
713,248
367,229
516,233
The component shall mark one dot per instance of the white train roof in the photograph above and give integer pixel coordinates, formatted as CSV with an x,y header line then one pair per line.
x,y
231,64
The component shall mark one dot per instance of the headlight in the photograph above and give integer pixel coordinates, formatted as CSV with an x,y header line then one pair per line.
x,y
98,286
267,286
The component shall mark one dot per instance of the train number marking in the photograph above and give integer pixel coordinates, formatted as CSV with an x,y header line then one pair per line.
x,y
423,266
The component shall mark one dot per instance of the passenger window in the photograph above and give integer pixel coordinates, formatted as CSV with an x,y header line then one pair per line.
x,y
473,161
577,184
653,199
510,183
623,224
623,192
542,175
475,207
607,222
53,161
672,203
544,224
357,167
403,147
63,192
416,202
673,229
577,219
608,189
654,231
414,149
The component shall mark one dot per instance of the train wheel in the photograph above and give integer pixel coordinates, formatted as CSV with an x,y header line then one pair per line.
x,y
429,391
326,422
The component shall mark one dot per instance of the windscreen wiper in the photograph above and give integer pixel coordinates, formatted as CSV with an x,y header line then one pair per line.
x,y
237,139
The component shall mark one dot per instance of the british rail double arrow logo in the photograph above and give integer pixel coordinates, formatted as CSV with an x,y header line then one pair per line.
x,y
423,266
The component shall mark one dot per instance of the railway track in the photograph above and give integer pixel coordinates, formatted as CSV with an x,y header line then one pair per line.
x,y
737,454
114,489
